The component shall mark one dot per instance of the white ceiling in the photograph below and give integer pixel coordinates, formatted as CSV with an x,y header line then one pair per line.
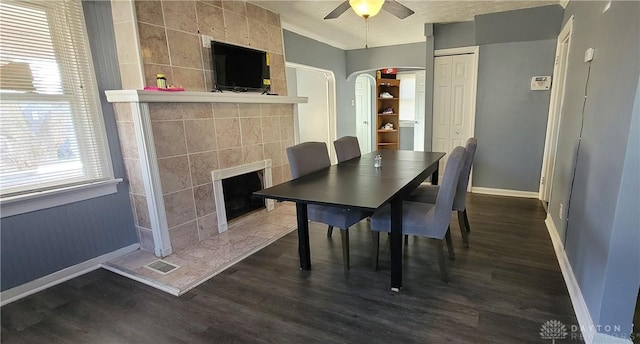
x,y
348,31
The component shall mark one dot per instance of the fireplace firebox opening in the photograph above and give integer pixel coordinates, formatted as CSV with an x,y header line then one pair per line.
x,y
238,194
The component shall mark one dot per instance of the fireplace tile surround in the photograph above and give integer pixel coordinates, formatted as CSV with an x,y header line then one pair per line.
x,y
170,148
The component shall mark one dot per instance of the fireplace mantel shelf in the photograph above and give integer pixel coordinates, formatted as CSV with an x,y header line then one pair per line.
x,y
142,96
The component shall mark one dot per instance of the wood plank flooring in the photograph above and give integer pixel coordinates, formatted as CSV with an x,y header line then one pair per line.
x,y
502,289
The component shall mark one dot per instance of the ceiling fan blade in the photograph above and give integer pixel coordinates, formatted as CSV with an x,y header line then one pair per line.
x,y
397,9
343,7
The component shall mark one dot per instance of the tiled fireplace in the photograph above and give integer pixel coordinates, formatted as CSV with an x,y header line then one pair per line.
x,y
172,142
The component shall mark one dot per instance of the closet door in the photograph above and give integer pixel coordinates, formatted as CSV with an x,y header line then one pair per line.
x,y
453,95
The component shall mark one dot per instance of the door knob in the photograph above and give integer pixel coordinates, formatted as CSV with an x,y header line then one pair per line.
x,y
365,122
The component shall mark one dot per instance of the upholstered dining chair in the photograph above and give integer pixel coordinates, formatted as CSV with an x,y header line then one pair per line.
x,y
425,219
309,157
428,193
347,148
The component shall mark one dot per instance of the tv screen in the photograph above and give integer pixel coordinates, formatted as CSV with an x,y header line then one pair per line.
x,y
239,69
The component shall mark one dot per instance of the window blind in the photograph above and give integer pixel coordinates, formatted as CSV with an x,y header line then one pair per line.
x,y
51,127
407,96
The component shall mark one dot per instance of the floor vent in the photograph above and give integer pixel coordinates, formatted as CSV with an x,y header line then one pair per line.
x,y
161,266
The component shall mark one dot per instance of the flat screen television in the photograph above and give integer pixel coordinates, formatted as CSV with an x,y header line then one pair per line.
x,y
239,69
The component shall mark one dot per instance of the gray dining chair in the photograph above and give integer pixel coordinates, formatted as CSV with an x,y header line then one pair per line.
x,y
309,157
428,193
425,219
347,148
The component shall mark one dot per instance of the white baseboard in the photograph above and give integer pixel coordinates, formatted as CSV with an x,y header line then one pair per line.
x,y
588,329
504,192
16,293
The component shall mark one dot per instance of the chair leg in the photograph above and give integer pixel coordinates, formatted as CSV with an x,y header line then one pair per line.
x,y
329,231
345,248
441,261
452,253
463,228
375,248
466,221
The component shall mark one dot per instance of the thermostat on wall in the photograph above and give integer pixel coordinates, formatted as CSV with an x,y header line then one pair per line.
x,y
540,83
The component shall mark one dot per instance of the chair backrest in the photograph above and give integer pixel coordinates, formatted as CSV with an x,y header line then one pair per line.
x,y
347,148
447,190
307,157
460,201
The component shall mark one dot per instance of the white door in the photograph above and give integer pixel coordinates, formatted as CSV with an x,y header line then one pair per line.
x,y
418,128
555,111
313,118
364,109
453,102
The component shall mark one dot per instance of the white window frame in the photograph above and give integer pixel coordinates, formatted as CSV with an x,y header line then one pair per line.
x,y
40,199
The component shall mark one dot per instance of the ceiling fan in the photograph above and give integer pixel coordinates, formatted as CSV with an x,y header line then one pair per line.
x,y
369,8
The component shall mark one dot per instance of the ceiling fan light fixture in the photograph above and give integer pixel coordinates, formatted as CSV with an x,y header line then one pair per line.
x,y
366,8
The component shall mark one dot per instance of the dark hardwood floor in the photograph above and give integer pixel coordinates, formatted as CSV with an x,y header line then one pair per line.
x,y
502,289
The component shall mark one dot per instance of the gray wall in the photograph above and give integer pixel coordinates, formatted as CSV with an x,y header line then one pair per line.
x,y
454,35
511,119
42,242
406,138
306,51
531,24
620,289
401,55
595,237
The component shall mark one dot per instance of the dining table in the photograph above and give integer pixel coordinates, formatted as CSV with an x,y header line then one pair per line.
x,y
357,184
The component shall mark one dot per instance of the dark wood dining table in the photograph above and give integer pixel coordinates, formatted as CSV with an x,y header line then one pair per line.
x,y
357,184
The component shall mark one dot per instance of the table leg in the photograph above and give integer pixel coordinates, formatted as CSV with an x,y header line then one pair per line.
x,y
303,236
434,176
396,244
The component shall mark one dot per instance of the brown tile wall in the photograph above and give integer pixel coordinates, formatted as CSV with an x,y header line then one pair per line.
x,y
193,139
170,39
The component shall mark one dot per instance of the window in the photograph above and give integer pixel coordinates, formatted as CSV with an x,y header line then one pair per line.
x,y
407,96
52,134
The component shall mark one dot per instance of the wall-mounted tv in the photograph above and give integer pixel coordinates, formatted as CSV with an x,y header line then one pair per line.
x,y
239,69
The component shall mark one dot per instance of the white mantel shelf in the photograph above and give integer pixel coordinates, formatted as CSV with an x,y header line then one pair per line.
x,y
142,96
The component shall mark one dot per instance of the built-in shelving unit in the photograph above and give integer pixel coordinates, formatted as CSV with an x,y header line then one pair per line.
x,y
388,138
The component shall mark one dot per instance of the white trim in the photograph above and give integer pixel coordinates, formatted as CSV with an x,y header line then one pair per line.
x,y
564,3
63,275
331,87
151,178
142,96
472,49
218,175
314,36
504,192
585,321
407,123
553,118
26,203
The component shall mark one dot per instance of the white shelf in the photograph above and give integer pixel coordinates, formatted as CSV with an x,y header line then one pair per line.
x,y
142,96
